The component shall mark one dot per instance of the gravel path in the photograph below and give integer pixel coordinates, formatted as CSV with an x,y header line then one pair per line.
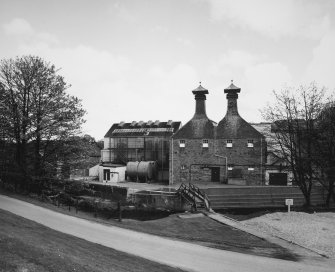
x,y
314,231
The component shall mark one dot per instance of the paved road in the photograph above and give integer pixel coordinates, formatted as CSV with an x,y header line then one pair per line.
x,y
184,255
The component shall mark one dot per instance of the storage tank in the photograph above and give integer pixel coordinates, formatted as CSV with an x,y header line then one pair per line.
x,y
142,171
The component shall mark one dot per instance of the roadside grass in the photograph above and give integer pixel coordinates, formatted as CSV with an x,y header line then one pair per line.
x,y
29,246
200,230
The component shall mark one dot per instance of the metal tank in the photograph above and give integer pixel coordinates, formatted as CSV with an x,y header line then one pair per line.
x,y
143,171
131,170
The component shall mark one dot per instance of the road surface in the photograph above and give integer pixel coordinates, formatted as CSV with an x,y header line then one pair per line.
x,y
187,256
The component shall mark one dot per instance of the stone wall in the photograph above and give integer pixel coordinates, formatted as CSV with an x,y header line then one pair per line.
x,y
194,162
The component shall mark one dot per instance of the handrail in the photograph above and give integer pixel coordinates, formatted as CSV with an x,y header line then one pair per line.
x,y
201,194
193,192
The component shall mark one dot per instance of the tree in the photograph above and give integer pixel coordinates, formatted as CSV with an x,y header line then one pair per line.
x,y
325,147
294,118
37,110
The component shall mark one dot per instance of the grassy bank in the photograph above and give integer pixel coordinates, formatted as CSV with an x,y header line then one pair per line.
x,y
28,246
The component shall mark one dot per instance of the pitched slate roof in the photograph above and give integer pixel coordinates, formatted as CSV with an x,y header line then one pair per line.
x,y
133,129
196,129
235,127
200,126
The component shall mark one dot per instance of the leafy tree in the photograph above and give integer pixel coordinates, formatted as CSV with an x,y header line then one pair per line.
x,y
36,109
294,117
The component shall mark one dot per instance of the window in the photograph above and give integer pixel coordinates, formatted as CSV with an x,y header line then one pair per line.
x,y
182,143
251,168
230,167
107,143
229,143
250,143
205,143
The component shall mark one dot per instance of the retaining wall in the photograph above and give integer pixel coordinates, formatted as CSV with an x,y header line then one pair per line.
x,y
261,196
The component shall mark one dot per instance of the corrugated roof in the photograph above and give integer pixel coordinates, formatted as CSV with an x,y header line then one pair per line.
x,y
143,129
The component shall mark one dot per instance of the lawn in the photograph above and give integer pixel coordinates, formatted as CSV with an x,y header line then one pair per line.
x,y
28,246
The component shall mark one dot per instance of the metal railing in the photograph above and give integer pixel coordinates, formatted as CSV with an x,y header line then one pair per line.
x,y
191,193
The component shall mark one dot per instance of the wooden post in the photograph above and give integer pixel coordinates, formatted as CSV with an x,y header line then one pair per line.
x,y
95,208
119,210
77,205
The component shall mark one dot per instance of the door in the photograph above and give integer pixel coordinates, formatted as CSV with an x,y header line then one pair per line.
x,y
215,174
278,179
107,175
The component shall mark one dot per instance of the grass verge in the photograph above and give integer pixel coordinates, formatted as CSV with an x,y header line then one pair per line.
x,y
29,246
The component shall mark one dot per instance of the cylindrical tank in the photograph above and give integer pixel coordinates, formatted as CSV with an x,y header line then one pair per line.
x,y
142,171
132,170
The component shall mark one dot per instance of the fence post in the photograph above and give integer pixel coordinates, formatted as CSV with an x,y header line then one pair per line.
x,y
95,208
119,210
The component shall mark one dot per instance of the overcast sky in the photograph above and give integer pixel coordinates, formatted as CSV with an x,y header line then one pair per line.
x,y
140,59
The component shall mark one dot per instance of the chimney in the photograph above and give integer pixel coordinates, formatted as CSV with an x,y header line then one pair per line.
x,y
232,96
200,104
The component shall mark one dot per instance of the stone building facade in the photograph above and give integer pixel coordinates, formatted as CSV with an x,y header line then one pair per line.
x,y
232,151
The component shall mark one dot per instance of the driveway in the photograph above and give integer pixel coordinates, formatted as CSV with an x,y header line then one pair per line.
x,y
187,256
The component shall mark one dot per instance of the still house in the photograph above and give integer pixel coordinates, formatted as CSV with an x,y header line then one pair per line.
x,y
232,151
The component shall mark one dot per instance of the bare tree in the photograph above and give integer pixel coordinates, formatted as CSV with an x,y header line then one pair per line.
x,y
294,124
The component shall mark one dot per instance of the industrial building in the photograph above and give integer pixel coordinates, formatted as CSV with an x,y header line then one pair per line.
x,y
231,151
141,148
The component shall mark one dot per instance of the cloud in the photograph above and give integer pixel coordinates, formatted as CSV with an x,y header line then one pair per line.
x,y
113,88
18,26
185,42
160,29
256,75
125,14
22,29
274,18
321,67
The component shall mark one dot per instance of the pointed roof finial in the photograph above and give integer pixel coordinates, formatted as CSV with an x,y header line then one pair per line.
x,y
232,81
200,90
232,88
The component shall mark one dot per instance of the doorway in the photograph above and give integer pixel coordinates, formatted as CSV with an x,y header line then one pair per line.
x,y
278,179
107,174
215,175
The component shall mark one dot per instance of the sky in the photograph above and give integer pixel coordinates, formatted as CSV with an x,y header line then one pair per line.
x,y
139,60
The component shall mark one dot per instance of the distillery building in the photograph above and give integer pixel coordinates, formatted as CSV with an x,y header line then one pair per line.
x,y
231,151
144,143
